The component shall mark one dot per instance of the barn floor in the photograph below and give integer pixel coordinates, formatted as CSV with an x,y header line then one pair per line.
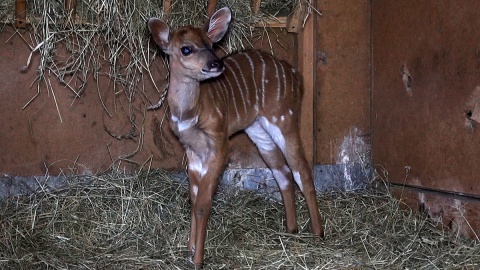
x,y
121,221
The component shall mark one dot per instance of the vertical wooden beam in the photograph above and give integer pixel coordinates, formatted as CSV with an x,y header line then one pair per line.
x,y
167,7
295,20
71,8
20,13
306,65
256,6
212,6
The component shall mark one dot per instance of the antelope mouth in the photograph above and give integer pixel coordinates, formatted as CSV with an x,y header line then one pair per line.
x,y
213,73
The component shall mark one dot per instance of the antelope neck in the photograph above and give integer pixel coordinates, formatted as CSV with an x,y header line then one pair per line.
x,y
183,96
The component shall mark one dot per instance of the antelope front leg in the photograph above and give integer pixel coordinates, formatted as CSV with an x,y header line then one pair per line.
x,y
193,177
204,173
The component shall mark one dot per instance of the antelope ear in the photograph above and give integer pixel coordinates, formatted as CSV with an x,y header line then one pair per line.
x,y
160,32
217,26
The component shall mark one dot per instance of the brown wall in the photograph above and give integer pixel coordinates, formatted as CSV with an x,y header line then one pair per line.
x,y
421,135
342,105
74,137
426,69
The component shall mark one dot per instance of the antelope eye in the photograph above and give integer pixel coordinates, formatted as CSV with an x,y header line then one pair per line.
x,y
186,50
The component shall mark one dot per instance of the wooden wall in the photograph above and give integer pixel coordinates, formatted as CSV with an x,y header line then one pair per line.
x,y
342,104
426,76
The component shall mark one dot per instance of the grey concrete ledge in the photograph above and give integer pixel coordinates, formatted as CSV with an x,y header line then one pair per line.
x,y
328,178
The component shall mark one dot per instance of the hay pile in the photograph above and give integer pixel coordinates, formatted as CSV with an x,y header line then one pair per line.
x,y
110,38
142,221
6,12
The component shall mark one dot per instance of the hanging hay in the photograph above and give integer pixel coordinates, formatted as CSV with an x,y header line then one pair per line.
x,y
142,222
277,8
6,12
114,34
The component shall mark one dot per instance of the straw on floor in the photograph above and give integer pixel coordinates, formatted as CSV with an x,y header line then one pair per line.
x,y
121,221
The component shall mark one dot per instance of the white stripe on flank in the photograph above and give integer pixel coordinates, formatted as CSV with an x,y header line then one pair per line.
x,y
255,88
231,96
221,91
246,89
239,88
278,79
284,81
215,91
291,81
263,79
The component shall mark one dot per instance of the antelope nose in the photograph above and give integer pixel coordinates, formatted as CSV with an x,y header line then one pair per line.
x,y
215,65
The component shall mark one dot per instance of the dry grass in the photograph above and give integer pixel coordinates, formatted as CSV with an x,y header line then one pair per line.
x,y
110,38
6,12
142,221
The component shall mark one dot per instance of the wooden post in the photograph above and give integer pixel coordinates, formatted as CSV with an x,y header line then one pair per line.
x,y
212,6
20,14
167,7
256,6
71,8
295,20
306,65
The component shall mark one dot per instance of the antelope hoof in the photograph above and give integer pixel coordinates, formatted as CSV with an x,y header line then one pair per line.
x,y
191,253
198,266
319,235
292,230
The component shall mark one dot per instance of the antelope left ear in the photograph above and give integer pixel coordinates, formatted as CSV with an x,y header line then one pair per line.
x,y
160,32
217,26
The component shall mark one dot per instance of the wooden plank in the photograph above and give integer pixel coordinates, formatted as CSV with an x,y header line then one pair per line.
x,y
423,133
256,6
167,7
343,83
306,66
294,21
71,8
20,14
279,22
212,7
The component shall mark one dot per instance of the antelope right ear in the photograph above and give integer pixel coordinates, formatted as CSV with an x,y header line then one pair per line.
x,y
217,26
160,32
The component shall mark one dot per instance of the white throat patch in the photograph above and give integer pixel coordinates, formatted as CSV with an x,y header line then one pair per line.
x,y
185,124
